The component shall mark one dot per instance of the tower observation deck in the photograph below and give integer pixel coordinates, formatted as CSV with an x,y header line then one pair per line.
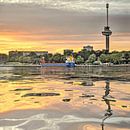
x,y
107,32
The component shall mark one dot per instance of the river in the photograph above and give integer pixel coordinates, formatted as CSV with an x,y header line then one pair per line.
x,y
34,98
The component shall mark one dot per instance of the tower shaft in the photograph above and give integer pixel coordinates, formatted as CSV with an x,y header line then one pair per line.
x,y
107,44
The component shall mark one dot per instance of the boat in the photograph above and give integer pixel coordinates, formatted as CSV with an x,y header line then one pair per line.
x,y
69,63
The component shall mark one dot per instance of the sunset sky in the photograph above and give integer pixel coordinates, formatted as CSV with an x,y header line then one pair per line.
x,y
55,25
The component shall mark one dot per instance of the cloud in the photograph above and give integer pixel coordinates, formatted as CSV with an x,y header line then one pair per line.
x,y
62,23
120,6
36,20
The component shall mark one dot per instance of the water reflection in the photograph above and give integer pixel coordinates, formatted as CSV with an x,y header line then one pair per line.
x,y
26,88
107,98
68,95
60,71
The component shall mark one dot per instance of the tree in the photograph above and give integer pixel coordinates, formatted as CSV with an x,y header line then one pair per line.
x,y
68,52
25,59
103,58
126,56
79,60
48,57
33,55
63,58
75,54
12,59
85,54
115,58
57,58
91,58
97,53
113,52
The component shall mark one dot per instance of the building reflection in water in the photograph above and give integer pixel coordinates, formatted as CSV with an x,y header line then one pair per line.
x,y
107,98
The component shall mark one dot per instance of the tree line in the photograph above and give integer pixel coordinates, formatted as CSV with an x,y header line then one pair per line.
x,y
81,57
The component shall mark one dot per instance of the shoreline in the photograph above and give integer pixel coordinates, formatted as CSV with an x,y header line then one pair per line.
x,y
28,65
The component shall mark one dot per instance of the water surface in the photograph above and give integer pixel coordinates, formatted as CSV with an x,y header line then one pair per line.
x,y
46,99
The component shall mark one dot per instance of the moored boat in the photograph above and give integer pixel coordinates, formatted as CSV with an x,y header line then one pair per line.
x,y
69,63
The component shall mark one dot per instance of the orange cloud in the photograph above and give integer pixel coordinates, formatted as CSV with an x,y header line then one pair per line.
x,y
58,42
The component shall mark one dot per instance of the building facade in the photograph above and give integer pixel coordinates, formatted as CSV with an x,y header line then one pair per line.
x,y
26,53
3,58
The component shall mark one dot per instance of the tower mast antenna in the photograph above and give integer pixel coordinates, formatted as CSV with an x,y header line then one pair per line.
x,y
107,6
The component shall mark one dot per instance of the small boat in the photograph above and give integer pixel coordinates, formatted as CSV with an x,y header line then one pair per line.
x,y
69,63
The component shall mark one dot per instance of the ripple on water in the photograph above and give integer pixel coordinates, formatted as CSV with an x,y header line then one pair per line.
x,y
41,122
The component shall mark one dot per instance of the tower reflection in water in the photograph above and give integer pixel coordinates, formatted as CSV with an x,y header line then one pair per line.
x,y
107,98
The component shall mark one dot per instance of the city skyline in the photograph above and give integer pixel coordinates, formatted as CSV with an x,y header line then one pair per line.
x,y
45,25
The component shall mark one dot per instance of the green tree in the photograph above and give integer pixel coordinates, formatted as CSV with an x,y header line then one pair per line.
x,y
85,54
126,56
33,55
48,57
79,60
103,58
11,59
75,54
115,58
25,59
57,58
91,58
63,58
68,52
14,59
97,53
